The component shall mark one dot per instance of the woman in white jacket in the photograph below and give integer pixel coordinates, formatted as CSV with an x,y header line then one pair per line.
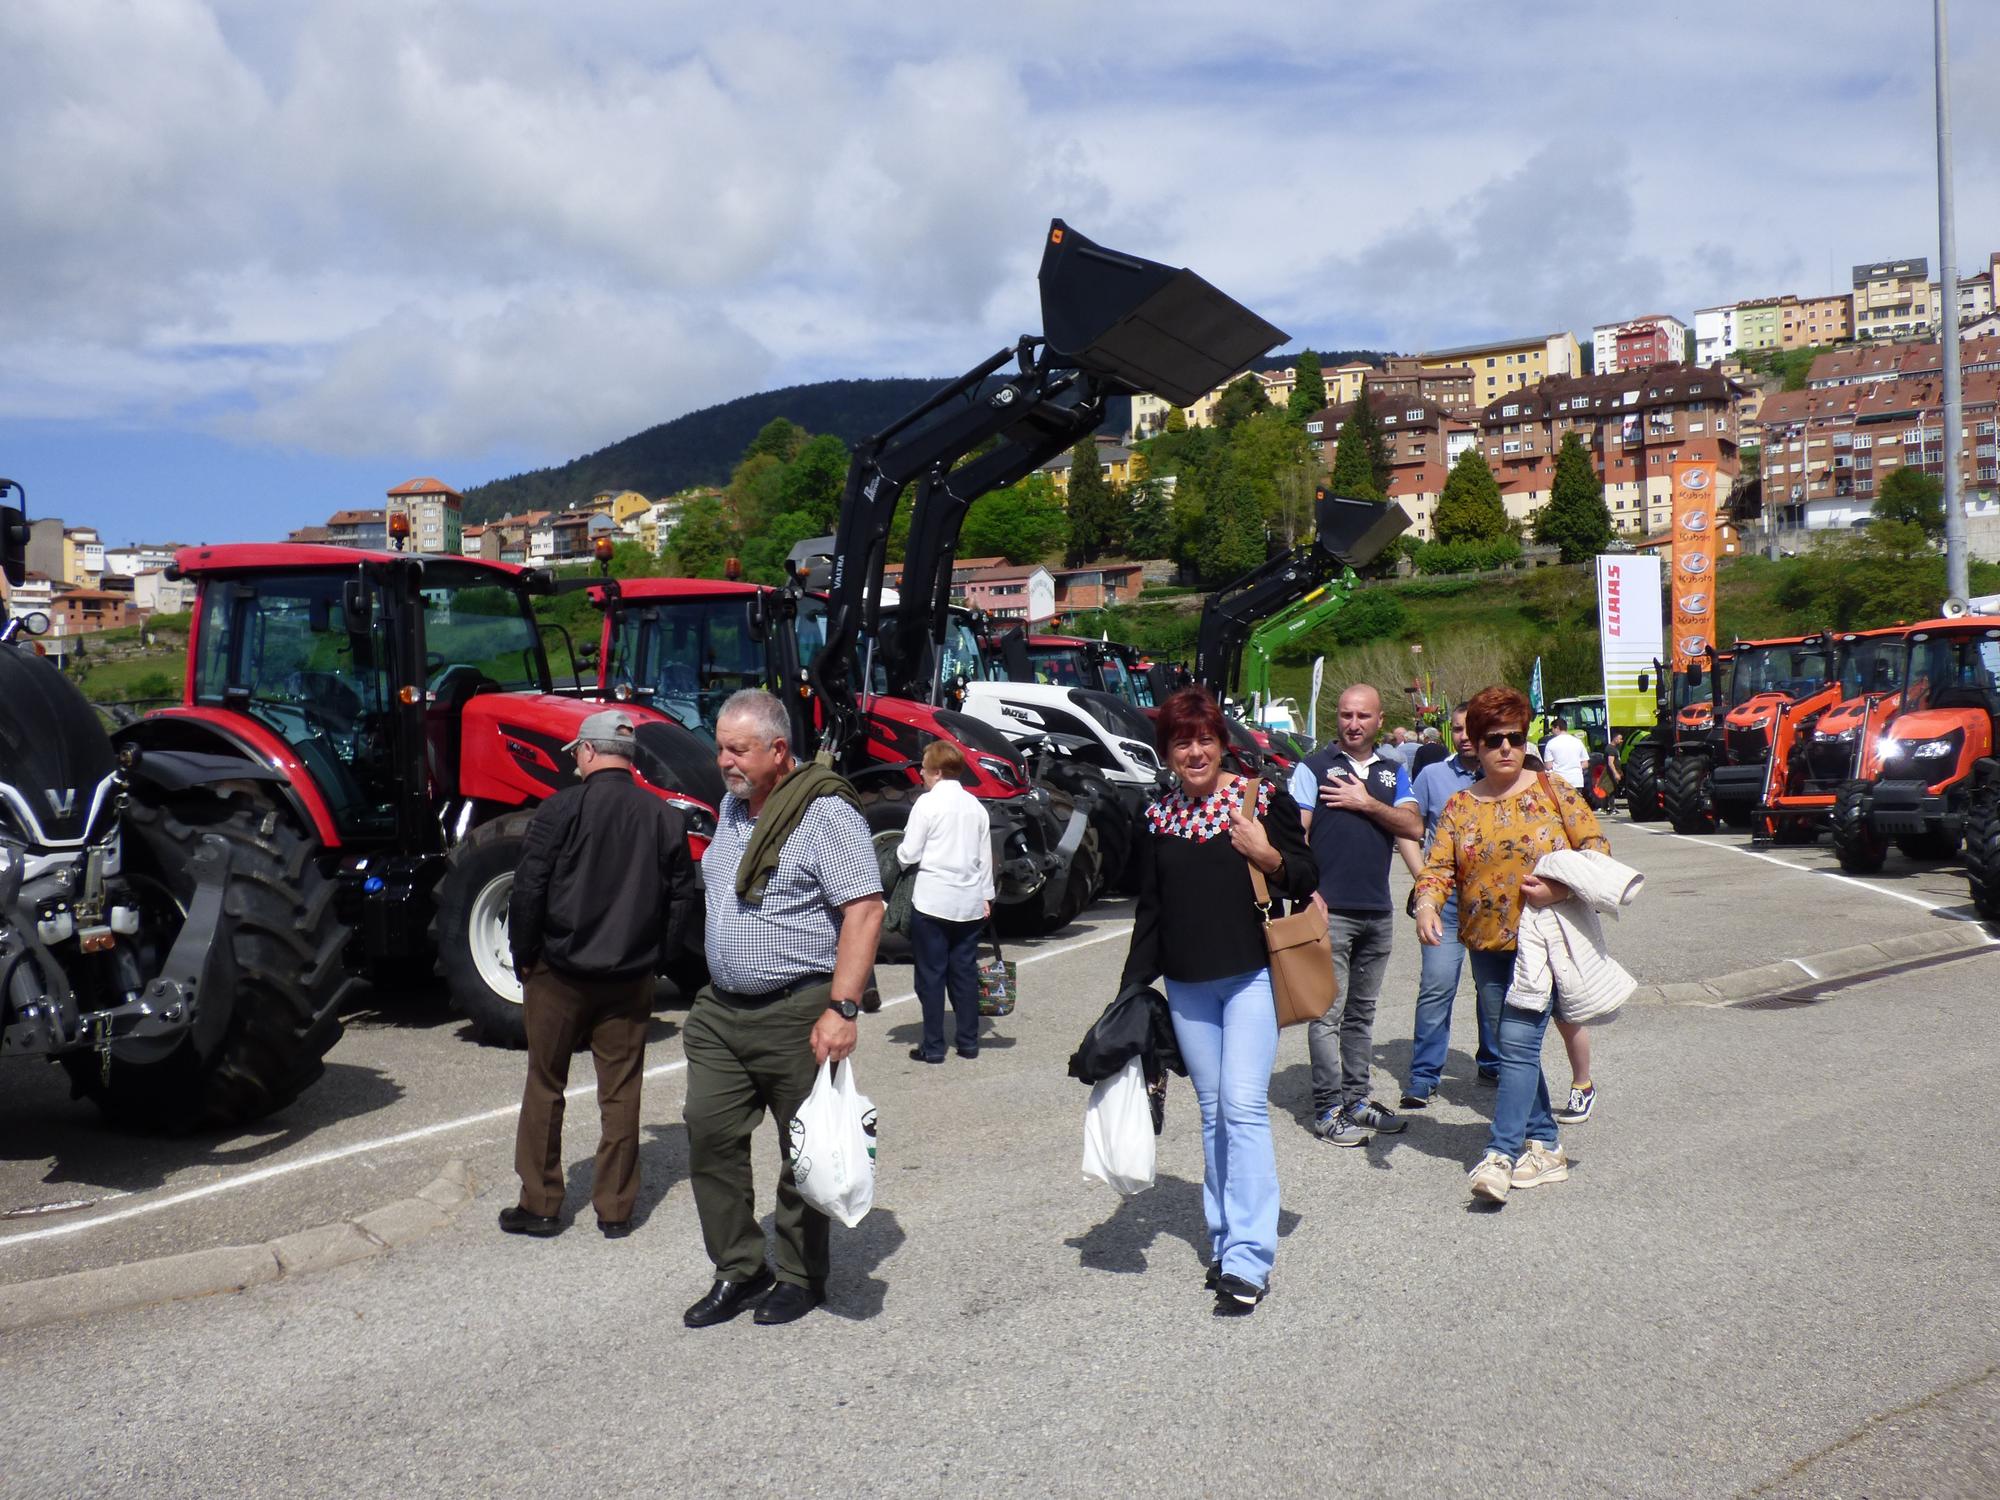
x,y
949,841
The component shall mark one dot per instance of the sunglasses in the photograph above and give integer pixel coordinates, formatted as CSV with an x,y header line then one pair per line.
x,y
1518,739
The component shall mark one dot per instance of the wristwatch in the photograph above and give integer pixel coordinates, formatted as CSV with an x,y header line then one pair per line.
x,y
847,1009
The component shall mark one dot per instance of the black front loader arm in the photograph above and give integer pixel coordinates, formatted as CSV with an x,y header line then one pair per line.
x,y
1114,324
1348,534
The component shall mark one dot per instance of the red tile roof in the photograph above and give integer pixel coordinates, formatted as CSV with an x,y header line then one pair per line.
x,y
424,486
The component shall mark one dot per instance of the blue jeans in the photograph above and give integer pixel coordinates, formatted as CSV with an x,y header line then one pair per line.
x,y
946,955
1228,1035
1521,1111
1436,990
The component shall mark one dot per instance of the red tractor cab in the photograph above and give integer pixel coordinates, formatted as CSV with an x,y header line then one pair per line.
x,y
1765,678
1925,766
400,716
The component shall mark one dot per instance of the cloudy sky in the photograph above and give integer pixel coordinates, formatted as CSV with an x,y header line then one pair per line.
x,y
262,260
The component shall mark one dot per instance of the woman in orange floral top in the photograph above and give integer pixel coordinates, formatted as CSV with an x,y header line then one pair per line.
x,y
1487,841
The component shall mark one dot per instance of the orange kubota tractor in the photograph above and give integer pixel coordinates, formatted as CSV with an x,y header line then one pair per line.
x,y
1931,759
1831,737
1764,678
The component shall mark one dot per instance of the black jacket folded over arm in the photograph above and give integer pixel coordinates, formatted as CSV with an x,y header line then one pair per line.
x,y
1197,918
605,887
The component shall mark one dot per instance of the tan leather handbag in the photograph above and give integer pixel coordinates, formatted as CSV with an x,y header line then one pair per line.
x,y
1301,949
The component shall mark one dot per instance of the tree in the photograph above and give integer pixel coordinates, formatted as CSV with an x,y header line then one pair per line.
x,y
1353,474
1232,528
754,494
1914,496
1093,504
779,438
1242,401
1575,519
702,541
1149,531
1470,508
814,480
1176,420
1363,424
1023,523
1308,391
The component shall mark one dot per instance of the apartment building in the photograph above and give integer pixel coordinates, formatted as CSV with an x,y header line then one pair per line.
x,y
83,555
1892,299
1414,431
139,557
1114,462
1509,364
1827,450
1804,322
366,530
1635,425
83,611
1403,378
1638,343
1343,383
1870,362
435,512
1714,334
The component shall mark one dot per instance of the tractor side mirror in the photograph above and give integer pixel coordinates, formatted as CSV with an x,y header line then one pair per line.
x,y
13,544
1694,674
587,653
1645,681
358,604
34,622
760,620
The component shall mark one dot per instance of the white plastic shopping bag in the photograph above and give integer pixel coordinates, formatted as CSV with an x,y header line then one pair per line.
x,y
1118,1132
832,1147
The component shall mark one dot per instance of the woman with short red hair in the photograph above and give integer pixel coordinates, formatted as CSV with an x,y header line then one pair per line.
x,y
1198,924
1487,842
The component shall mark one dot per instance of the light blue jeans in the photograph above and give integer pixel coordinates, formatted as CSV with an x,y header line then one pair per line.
x,y
1521,1111
1228,1035
1436,990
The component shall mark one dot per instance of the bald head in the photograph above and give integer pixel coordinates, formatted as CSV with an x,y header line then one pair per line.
x,y
1360,719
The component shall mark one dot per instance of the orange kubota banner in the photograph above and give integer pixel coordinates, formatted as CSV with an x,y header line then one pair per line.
x,y
1695,524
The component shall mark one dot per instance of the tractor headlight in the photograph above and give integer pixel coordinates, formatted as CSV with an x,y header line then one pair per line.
x,y
1836,734
1942,747
1000,770
1141,754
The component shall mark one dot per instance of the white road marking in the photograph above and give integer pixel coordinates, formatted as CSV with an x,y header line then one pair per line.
x,y
422,1132
1948,909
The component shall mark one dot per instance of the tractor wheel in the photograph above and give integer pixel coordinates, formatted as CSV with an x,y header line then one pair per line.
x,y
271,988
1982,846
887,810
472,950
1091,789
1642,785
1860,849
1687,796
1932,843
1086,877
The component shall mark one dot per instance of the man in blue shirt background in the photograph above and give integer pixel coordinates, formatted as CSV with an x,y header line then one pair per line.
x,y
1357,807
1438,986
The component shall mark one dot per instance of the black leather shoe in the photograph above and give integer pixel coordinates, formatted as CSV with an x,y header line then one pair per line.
x,y
614,1229
517,1220
970,1054
917,1054
787,1303
728,1298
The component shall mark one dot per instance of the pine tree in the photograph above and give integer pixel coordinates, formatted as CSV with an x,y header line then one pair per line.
x,y
1149,524
1372,442
1232,528
1242,401
1176,420
1470,508
1308,391
1093,505
1353,476
1575,519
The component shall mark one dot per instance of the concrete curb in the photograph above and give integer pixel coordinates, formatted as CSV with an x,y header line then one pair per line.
x,y
1838,964
231,1268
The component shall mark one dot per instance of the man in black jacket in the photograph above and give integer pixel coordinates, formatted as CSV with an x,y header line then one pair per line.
x,y
603,894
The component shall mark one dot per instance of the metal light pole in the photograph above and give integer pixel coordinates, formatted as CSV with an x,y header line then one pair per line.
x,y
1955,575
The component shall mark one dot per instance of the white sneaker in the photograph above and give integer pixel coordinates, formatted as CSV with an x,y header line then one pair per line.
x,y
1492,1177
1539,1164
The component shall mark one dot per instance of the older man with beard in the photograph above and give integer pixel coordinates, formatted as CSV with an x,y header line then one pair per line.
x,y
794,897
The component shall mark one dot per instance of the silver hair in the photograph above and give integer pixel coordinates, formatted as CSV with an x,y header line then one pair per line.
x,y
1430,734
762,709
622,749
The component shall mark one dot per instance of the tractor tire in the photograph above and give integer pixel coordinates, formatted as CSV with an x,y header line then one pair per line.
x,y
1860,849
1931,844
1090,787
472,951
1687,796
1086,878
1643,799
887,810
275,967
1982,846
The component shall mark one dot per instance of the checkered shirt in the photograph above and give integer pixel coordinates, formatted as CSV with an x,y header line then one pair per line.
x,y
828,861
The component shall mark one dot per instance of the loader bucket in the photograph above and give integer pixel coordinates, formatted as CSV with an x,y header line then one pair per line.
x,y
1356,531
1146,326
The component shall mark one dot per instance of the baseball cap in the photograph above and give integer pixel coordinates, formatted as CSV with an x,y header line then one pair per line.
x,y
606,724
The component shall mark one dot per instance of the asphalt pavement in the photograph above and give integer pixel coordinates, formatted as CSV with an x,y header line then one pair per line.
x,y
1771,1269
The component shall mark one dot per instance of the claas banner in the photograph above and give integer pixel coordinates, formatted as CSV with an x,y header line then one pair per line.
x,y
1628,620
1695,525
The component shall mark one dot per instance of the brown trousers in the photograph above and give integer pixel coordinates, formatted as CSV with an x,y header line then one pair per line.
x,y
612,1014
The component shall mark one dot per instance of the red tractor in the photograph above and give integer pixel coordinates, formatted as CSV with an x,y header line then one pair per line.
x,y
1933,756
393,725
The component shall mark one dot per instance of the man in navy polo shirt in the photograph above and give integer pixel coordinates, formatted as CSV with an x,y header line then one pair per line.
x,y
1438,986
1357,805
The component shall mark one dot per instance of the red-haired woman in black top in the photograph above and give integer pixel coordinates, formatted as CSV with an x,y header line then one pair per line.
x,y
1198,925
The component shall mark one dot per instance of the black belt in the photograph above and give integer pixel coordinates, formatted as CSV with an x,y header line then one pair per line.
x,y
769,997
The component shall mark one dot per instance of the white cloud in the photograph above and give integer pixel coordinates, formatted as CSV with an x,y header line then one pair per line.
x,y
376,227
